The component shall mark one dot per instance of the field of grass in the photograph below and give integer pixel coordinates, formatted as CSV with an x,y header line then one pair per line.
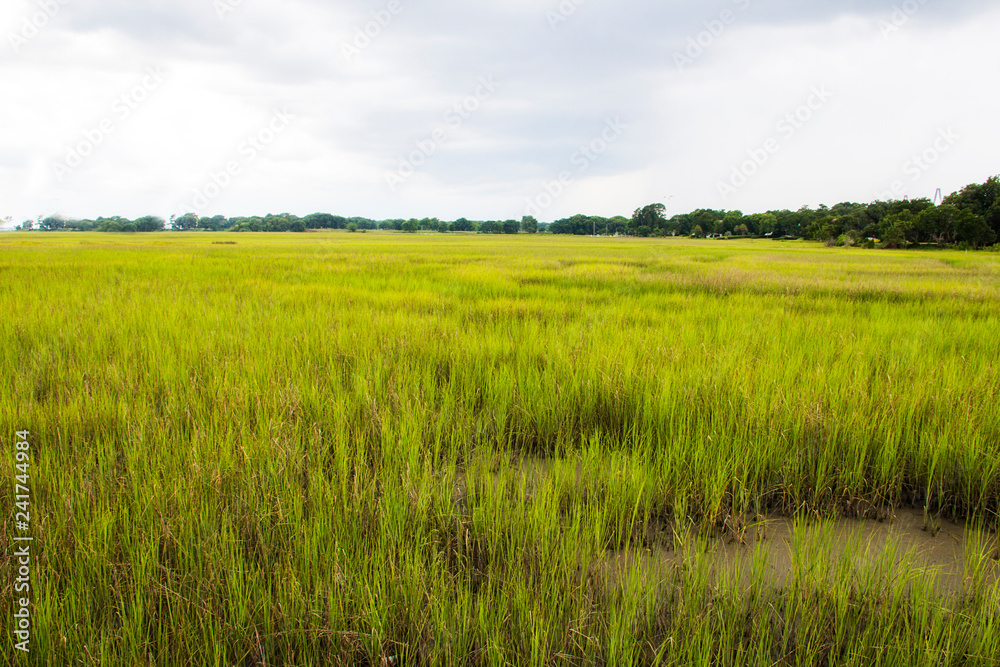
x,y
382,449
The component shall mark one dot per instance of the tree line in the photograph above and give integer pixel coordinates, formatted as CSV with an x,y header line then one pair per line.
x,y
281,222
52,223
969,217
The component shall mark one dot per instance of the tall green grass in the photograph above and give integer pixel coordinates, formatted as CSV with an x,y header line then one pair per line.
x,y
379,449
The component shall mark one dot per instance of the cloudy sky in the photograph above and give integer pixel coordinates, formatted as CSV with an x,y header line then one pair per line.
x,y
490,110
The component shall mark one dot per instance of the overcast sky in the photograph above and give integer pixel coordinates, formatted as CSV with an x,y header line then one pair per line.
x,y
490,110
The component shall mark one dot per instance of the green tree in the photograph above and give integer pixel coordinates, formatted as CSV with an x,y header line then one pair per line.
x,y
115,223
980,199
972,229
52,223
732,220
463,225
185,222
411,226
529,224
941,223
352,227
762,224
511,226
214,224
894,236
649,216
898,229
149,223
324,221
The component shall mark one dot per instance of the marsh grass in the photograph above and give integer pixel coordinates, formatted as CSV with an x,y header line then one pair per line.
x,y
332,449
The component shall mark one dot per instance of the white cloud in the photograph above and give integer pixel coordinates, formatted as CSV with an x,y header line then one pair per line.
x,y
557,88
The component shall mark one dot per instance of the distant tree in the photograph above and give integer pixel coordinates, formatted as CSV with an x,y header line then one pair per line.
x,y
115,223
615,225
511,226
529,224
732,220
352,227
81,225
149,223
674,226
972,229
52,223
184,222
214,224
411,226
28,225
462,225
252,224
698,232
650,217
893,236
761,224
324,221
938,223
950,224
980,199
586,225
899,229
824,229
281,222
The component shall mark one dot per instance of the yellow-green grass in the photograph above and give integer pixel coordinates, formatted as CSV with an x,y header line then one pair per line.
x,y
325,448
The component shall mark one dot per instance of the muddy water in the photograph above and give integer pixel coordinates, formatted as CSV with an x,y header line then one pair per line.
x,y
902,541
906,540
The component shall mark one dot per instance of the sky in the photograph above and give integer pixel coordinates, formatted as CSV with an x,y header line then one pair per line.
x,y
490,110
